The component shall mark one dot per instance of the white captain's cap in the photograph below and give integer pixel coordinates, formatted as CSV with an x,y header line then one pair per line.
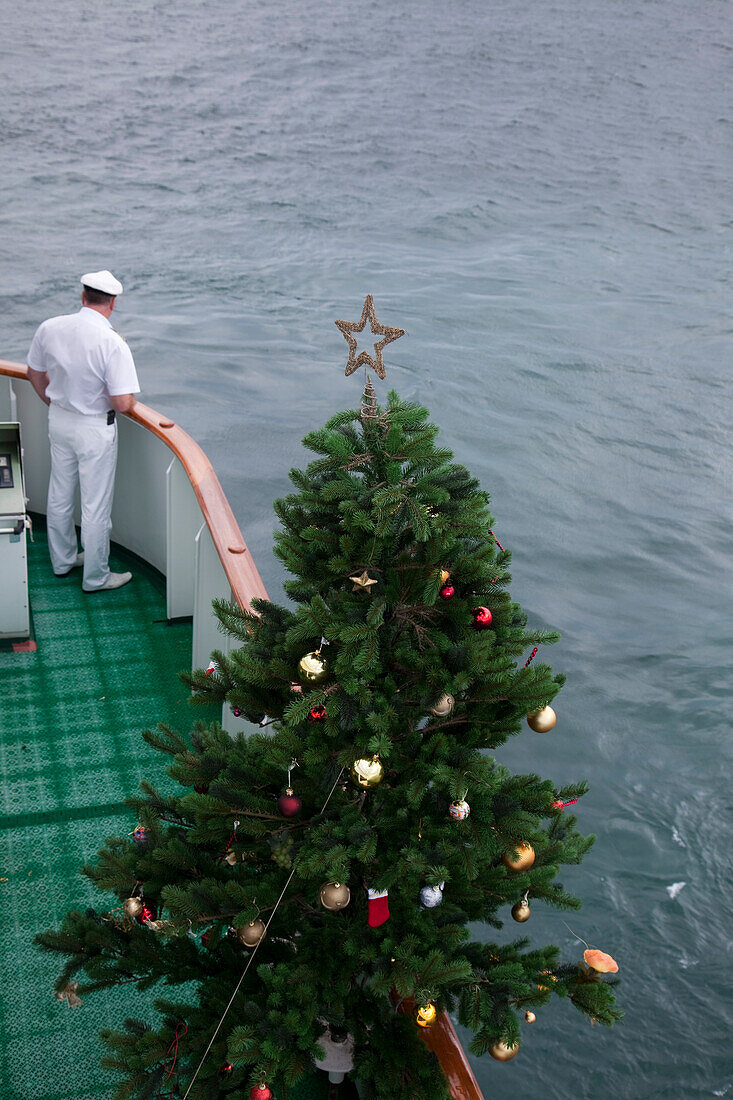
x,y
102,280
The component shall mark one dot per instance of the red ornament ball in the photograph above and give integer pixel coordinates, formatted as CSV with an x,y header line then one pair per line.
x,y
146,913
481,618
289,804
447,592
317,713
261,1092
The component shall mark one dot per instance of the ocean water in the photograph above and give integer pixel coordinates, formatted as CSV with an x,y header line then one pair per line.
x,y
538,193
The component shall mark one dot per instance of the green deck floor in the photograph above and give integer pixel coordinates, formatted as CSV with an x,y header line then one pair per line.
x,y
70,753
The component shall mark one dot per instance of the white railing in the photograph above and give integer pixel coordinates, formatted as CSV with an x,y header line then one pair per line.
x,y
169,509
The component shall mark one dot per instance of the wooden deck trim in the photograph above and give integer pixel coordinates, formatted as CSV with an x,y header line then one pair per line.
x,y
236,560
247,584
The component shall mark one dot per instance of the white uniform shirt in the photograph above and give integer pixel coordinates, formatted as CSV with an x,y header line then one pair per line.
x,y
86,360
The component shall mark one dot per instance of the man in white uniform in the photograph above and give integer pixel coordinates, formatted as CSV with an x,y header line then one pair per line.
x,y
85,373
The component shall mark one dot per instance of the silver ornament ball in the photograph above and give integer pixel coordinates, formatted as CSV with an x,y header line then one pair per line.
x,y
431,896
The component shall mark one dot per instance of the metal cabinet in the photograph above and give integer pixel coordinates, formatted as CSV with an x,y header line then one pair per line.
x,y
14,602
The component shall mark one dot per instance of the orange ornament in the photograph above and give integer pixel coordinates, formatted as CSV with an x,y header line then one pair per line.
x,y
524,858
600,961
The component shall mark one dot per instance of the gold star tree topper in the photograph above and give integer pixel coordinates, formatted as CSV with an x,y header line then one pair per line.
x,y
364,359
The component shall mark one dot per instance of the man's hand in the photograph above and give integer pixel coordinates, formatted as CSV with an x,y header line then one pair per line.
x,y
122,402
39,380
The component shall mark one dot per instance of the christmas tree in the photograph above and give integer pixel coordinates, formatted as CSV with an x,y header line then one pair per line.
x,y
311,878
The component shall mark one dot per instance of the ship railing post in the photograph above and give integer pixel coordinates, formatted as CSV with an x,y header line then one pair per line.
x,y
183,522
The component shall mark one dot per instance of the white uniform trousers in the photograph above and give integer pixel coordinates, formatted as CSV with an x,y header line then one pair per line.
x,y
83,448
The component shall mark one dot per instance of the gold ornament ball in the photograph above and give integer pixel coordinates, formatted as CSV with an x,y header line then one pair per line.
x,y
367,772
520,912
542,721
312,669
426,1015
252,933
132,907
334,895
500,1052
523,860
444,706
530,1017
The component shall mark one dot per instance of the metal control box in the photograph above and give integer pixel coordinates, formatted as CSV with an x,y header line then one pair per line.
x,y
14,601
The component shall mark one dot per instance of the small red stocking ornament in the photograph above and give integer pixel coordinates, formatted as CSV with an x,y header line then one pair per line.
x,y
378,905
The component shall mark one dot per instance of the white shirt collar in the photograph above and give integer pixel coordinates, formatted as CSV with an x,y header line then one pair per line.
x,y
97,314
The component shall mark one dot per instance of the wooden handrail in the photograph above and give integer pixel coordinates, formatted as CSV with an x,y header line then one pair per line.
x,y
247,585
442,1039
236,560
